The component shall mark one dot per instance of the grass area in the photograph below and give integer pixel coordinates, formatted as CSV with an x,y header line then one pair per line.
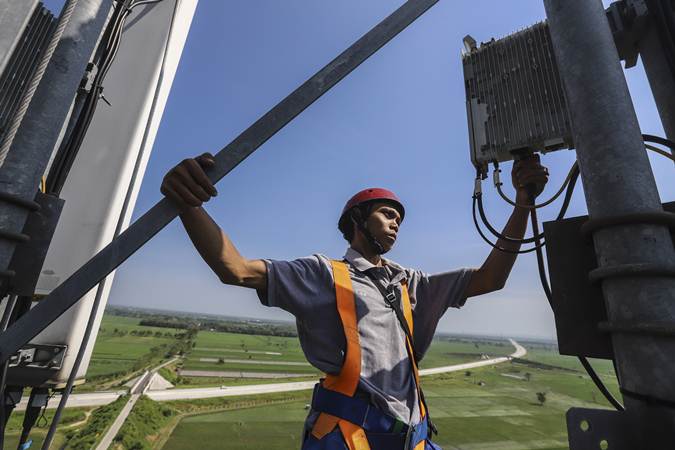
x,y
502,412
124,348
100,420
141,429
117,350
603,368
79,428
70,419
243,347
201,382
212,344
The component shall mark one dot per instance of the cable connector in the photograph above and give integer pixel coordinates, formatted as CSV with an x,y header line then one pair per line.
x,y
88,79
477,187
495,176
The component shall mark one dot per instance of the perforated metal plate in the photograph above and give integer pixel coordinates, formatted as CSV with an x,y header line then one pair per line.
x,y
599,429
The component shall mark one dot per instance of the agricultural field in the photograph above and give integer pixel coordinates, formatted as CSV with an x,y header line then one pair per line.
x,y
122,345
491,408
231,354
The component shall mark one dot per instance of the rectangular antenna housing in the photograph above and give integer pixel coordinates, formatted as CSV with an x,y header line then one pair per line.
x,y
515,101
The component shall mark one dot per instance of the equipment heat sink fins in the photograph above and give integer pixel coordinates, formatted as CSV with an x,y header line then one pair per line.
x,y
514,97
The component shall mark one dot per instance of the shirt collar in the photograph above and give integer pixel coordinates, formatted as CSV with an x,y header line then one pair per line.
x,y
361,264
357,260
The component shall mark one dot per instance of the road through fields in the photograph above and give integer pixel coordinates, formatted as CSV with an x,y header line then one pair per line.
x,y
226,391
103,398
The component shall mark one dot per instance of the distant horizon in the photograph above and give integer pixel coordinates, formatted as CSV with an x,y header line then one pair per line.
x,y
537,339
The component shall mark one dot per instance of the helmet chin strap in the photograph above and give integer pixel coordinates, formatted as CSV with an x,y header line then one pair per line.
x,y
374,244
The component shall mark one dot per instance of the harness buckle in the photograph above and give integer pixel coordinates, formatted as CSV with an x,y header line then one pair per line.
x,y
390,297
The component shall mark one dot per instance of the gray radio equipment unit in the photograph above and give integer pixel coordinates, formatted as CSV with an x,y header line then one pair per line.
x,y
515,100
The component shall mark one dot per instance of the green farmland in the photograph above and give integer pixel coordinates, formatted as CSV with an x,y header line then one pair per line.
x,y
122,345
491,408
215,351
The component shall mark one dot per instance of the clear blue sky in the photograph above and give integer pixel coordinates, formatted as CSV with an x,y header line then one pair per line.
x,y
398,121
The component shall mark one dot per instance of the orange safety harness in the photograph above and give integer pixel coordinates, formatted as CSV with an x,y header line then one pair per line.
x,y
348,379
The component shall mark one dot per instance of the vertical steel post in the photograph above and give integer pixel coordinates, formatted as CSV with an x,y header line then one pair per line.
x,y
617,181
661,79
39,131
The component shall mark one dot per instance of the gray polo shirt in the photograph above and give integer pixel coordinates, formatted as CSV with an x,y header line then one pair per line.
x,y
305,288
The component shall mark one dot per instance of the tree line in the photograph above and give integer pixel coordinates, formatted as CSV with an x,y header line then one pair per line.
x,y
255,328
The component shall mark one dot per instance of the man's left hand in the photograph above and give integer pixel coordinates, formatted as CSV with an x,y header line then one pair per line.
x,y
529,178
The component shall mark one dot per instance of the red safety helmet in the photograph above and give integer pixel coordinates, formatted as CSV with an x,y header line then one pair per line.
x,y
374,194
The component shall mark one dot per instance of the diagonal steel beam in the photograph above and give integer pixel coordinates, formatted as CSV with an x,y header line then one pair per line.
x,y
109,258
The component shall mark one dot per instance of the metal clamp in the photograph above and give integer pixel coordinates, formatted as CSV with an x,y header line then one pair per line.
x,y
7,273
12,236
631,270
19,201
647,218
650,328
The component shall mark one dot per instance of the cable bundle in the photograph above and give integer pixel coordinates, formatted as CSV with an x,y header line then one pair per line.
x,y
567,186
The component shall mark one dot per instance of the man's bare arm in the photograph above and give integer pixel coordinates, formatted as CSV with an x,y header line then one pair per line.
x,y
495,270
187,186
219,252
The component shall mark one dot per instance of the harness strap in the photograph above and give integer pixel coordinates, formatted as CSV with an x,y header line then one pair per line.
x,y
354,436
357,411
407,313
348,380
404,315
335,390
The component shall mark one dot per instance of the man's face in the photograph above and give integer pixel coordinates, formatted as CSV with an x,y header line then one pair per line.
x,y
383,224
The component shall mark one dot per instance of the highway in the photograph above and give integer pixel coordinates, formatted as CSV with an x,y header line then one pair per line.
x,y
519,353
103,398
226,391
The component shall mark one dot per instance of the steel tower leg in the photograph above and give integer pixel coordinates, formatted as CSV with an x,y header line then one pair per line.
x,y
636,261
661,79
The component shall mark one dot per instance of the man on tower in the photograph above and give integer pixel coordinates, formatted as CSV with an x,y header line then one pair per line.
x,y
363,320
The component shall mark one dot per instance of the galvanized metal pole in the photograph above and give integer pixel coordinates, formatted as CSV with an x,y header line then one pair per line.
x,y
617,181
661,79
39,131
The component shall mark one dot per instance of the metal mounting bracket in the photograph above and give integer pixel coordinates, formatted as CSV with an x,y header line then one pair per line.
x,y
599,428
40,356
